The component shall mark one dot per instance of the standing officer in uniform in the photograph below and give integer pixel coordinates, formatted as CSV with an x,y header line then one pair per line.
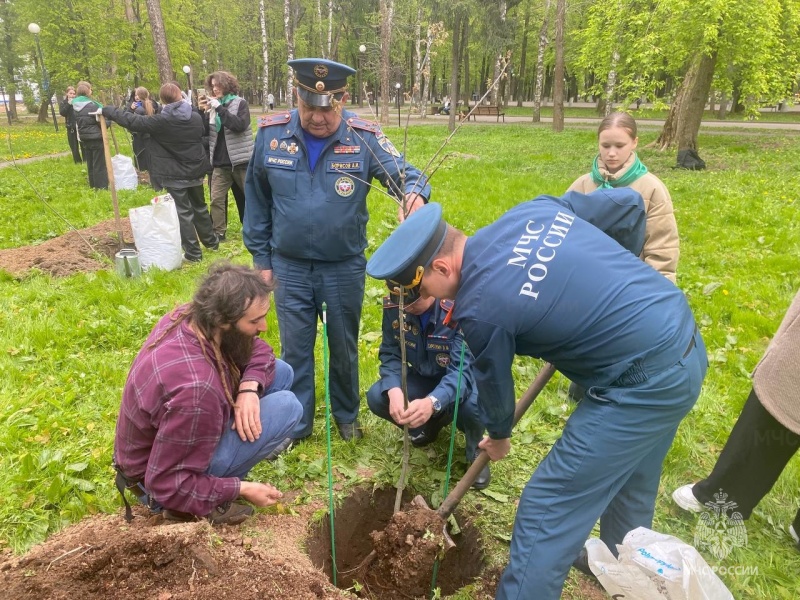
x,y
305,224
541,281
433,354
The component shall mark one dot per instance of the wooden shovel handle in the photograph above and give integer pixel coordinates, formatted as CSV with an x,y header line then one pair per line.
x,y
454,497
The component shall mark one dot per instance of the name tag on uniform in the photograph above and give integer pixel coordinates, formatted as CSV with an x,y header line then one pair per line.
x,y
337,166
281,162
435,343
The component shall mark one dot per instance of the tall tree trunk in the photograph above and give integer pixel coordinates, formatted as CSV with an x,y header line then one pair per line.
x,y
722,113
558,75
494,97
9,63
686,113
264,55
319,31
611,84
518,90
43,108
455,57
387,17
288,27
330,28
165,71
537,90
416,81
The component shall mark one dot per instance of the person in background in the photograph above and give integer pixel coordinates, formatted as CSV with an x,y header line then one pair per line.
x,y
306,224
617,165
66,110
179,162
230,140
766,435
90,135
143,105
433,355
271,101
204,402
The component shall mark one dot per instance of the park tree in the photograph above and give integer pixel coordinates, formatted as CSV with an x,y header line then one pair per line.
x,y
165,71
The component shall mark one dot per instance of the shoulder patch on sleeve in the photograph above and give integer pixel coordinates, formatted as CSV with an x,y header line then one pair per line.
x,y
277,119
358,123
388,303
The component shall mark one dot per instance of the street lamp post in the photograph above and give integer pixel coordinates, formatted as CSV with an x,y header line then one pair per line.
x,y
397,96
188,70
35,29
361,50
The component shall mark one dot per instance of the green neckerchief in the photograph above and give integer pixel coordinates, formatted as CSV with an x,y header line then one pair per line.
x,y
636,170
86,99
224,100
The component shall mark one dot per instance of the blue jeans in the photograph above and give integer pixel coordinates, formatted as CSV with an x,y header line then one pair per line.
x,y
280,413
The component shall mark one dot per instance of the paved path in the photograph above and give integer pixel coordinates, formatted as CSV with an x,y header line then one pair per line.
x,y
23,161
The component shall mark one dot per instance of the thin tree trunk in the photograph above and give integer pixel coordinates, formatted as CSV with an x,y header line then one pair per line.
x,y
456,53
165,71
319,31
43,108
288,28
517,91
558,75
330,28
537,90
264,55
611,84
686,113
387,16
416,83
722,113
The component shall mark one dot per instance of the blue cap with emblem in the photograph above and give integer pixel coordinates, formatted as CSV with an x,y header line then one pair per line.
x,y
320,82
402,258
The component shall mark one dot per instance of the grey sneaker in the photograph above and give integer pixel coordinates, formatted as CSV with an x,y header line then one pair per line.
x,y
684,498
230,513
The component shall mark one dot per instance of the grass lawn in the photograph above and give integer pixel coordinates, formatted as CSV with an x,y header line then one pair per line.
x,y
67,343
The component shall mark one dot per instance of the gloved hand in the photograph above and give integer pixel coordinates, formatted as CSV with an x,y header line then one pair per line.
x,y
213,103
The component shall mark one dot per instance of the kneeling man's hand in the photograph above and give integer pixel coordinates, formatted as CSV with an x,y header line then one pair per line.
x,y
418,413
260,494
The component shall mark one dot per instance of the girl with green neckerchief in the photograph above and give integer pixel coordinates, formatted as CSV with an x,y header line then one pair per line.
x,y
617,165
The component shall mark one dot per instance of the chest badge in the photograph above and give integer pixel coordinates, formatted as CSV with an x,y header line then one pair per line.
x,y
292,149
273,145
442,359
345,187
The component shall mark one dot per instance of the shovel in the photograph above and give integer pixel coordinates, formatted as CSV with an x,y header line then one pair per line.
x,y
457,494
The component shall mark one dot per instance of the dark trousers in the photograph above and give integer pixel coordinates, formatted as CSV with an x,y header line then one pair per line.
x,y
194,220
303,285
72,139
95,159
141,152
751,461
468,419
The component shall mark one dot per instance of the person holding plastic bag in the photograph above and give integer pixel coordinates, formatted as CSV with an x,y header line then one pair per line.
x,y
179,162
766,435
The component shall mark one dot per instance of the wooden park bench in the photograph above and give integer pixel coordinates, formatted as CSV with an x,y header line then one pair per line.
x,y
487,111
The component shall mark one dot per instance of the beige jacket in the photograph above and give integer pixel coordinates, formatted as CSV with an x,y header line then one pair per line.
x,y
661,246
776,378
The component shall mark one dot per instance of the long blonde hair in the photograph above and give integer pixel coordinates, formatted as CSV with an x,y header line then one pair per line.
x,y
144,98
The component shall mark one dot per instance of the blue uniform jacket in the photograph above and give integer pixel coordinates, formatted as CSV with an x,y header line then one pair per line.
x,y
320,214
543,282
432,352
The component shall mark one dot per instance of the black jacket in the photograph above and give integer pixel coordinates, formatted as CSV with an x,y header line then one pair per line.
x,y
66,111
176,134
87,124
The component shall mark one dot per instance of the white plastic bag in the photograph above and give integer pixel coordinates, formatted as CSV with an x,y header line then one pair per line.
x,y
156,233
125,177
654,566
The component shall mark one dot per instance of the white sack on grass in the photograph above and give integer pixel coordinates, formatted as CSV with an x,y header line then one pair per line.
x,y
125,177
654,566
156,233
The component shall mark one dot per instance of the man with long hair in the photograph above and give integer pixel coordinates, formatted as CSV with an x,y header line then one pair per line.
x,y
205,401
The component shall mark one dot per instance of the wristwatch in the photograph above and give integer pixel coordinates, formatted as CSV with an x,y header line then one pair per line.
x,y
437,406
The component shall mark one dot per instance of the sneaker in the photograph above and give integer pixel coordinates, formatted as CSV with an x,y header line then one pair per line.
x,y
230,513
350,431
684,498
280,448
192,259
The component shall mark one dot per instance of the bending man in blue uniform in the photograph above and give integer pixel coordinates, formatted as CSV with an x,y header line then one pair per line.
x,y
541,281
433,354
305,223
